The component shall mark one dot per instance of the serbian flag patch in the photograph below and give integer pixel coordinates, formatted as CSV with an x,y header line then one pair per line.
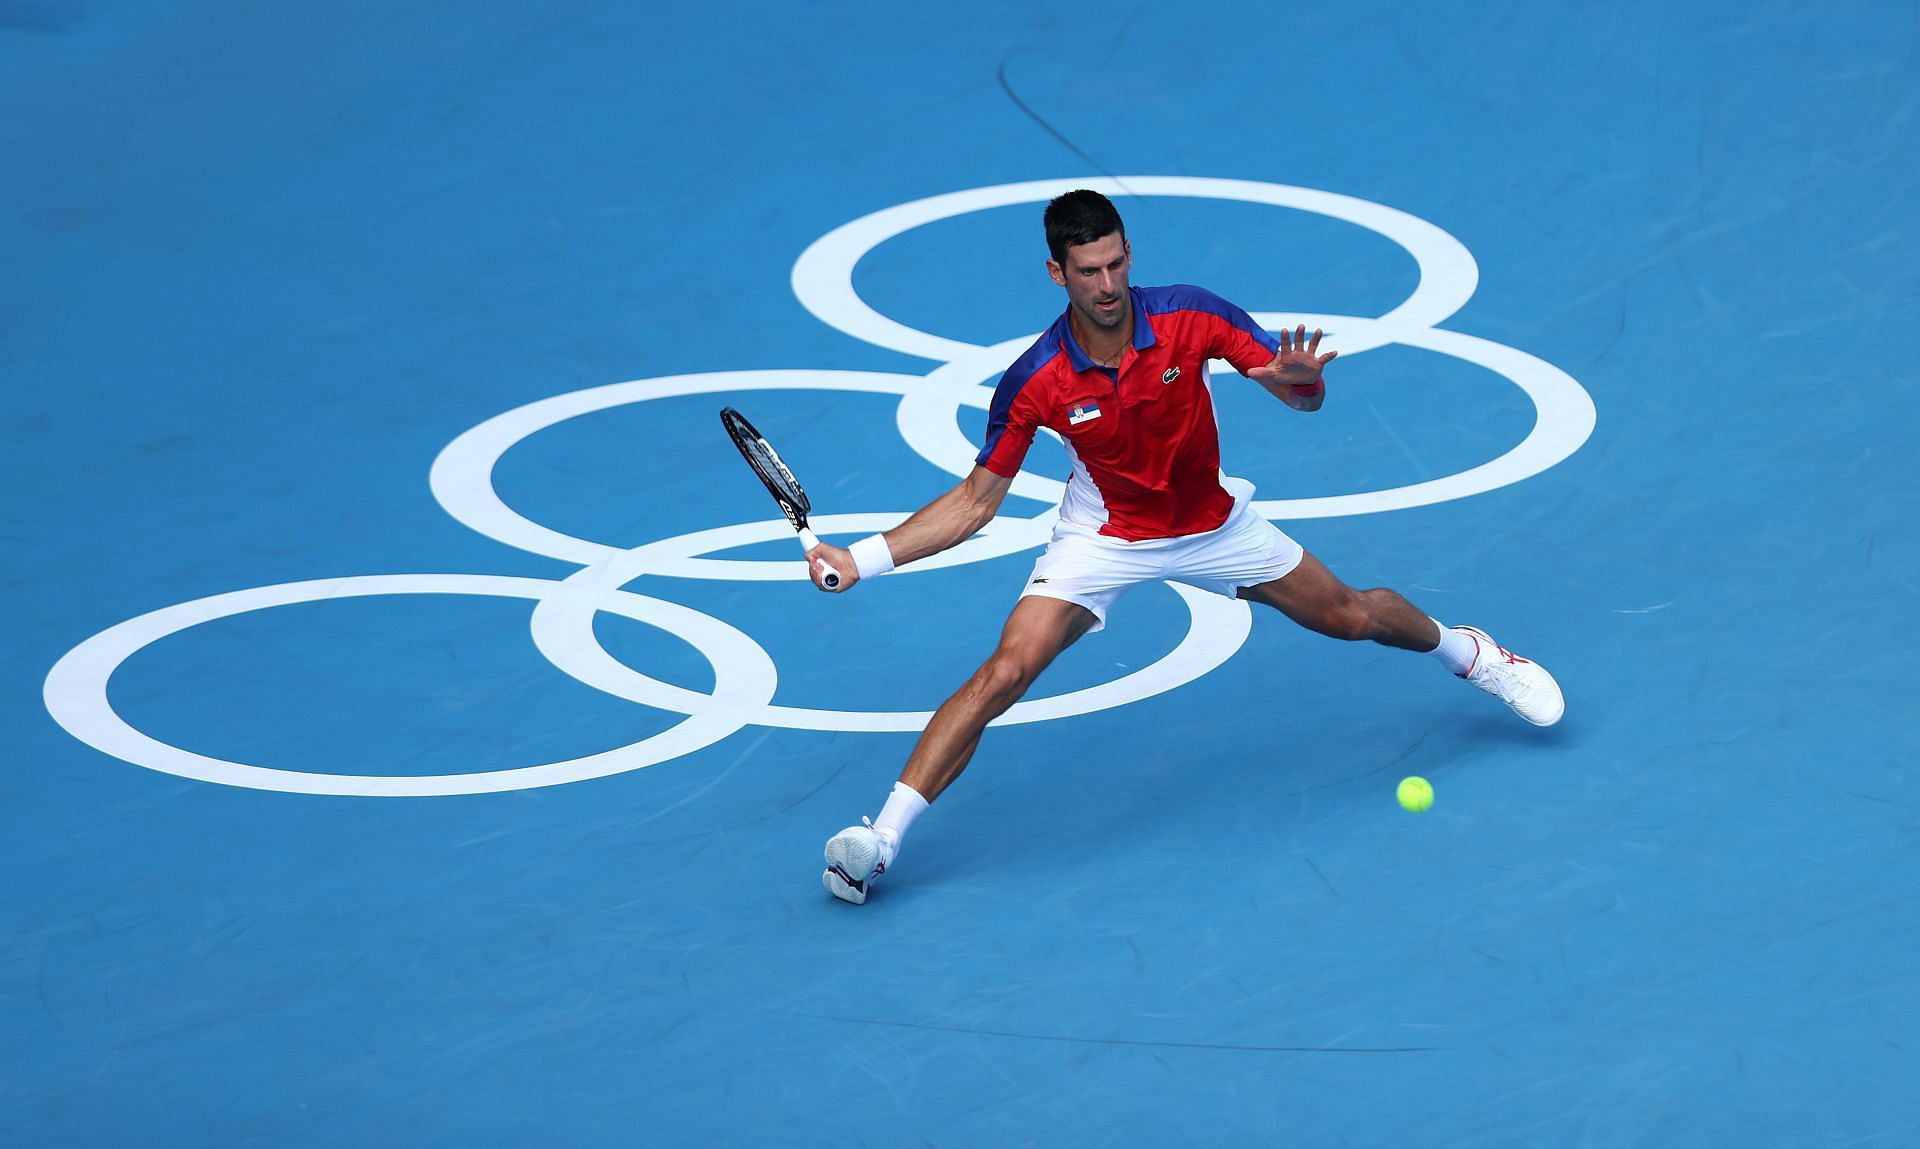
x,y
1082,412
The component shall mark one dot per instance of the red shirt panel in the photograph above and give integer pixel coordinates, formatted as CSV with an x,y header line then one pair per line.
x,y
1145,432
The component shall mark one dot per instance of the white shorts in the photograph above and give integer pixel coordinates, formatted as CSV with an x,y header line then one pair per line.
x,y
1083,566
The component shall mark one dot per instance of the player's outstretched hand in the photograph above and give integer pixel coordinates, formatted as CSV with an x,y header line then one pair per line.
x,y
1298,362
839,559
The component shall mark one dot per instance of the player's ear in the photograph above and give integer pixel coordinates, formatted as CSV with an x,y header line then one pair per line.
x,y
1057,273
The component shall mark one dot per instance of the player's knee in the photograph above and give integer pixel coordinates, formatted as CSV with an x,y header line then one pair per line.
x,y
1351,618
1001,682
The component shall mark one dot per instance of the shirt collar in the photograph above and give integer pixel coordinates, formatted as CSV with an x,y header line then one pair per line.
x,y
1143,336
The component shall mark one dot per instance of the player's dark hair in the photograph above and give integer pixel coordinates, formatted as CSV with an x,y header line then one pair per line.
x,y
1080,217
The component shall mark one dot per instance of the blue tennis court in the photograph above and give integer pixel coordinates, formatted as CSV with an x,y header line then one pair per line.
x,y
422,731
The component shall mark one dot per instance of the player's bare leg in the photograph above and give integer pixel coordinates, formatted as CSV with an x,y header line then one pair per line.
x,y
1313,597
1035,634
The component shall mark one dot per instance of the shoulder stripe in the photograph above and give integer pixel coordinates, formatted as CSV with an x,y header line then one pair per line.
x,y
1044,350
1187,297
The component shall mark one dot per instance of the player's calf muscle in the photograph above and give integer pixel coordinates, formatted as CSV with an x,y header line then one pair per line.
x,y
1378,615
1400,623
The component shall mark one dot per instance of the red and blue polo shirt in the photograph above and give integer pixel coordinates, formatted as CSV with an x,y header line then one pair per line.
x,y
1142,437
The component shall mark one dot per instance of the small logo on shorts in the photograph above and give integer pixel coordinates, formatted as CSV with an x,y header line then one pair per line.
x,y
1038,581
1082,412
1172,374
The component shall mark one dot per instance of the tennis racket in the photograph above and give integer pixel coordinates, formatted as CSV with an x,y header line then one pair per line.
x,y
781,484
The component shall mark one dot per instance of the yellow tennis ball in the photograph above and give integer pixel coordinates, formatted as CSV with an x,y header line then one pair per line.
x,y
1416,794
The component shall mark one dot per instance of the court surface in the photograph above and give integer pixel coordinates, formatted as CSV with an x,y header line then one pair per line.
x,y
418,733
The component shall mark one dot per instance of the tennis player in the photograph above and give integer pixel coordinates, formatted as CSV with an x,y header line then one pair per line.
x,y
1122,377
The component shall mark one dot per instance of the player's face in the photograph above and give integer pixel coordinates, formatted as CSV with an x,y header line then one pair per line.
x,y
1095,276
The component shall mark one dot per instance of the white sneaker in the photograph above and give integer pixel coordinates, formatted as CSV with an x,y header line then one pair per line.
x,y
1525,686
855,857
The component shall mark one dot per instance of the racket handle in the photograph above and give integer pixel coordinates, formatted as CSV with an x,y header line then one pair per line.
x,y
829,577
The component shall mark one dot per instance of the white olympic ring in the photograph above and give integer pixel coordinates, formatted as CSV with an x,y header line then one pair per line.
x,y
76,695
927,414
823,275
563,632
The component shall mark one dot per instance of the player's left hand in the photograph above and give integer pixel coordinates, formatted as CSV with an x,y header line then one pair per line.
x,y
1298,362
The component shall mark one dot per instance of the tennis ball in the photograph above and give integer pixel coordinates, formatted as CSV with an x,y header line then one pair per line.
x,y
1416,794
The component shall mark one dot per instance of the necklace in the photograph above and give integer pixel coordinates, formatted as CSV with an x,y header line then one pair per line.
x,y
1125,334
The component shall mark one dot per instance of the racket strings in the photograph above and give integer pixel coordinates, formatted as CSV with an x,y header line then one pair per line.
x,y
777,473
768,465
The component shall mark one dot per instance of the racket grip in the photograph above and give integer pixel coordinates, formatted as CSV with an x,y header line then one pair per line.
x,y
829,577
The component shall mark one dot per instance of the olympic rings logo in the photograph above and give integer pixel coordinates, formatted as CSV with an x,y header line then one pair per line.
x,y
927,415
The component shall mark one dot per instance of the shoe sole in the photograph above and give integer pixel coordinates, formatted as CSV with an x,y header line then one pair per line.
x,y
840,888
845,858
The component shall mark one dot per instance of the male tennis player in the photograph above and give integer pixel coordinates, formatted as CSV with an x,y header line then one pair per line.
x,y
1121,376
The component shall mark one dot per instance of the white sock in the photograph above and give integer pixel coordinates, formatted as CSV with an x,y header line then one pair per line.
x,y
1457,649
903,806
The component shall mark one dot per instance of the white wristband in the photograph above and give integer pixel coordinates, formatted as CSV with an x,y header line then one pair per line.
x,y
871,556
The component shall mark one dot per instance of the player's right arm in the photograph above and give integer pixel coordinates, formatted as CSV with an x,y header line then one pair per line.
x,y
947,521
1015,414
951,519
